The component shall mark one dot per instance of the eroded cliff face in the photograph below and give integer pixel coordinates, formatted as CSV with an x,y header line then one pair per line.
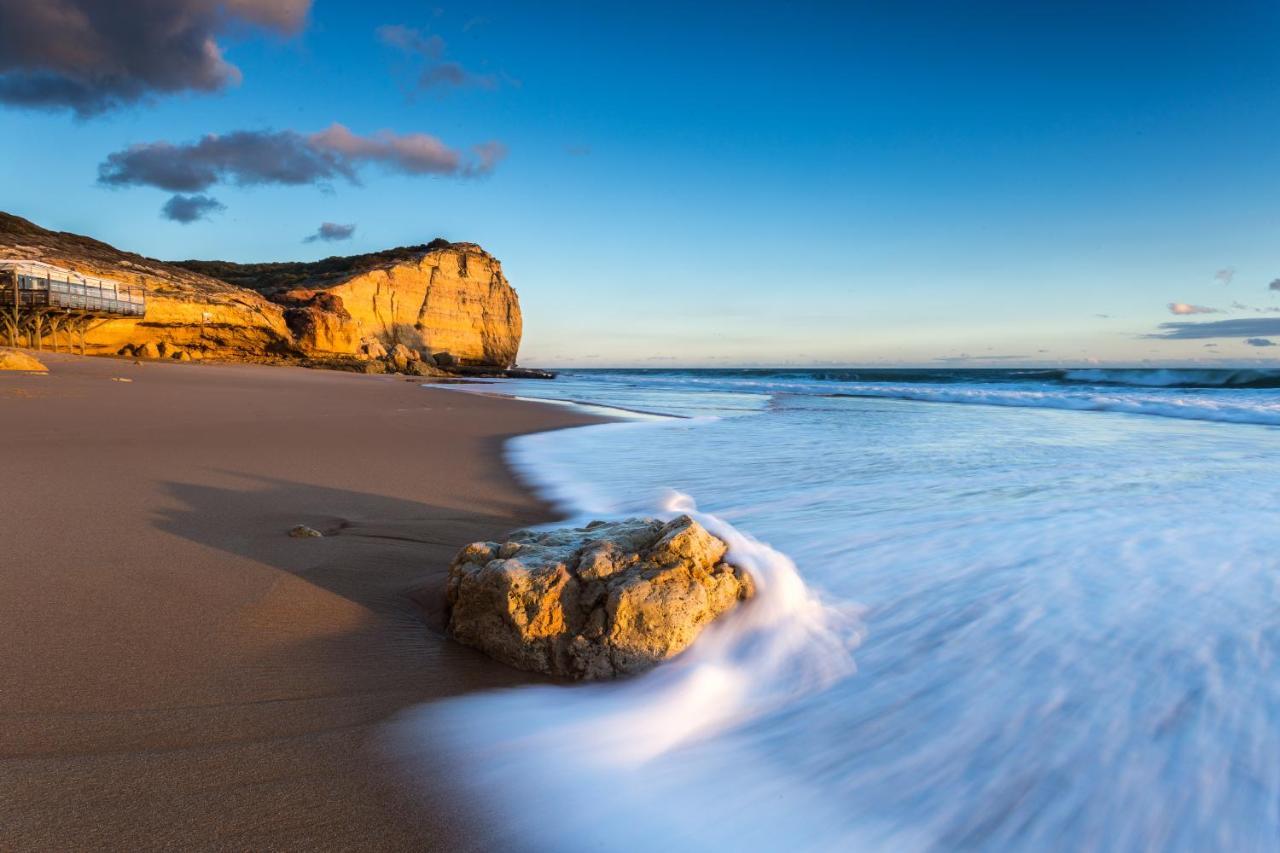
x,y
436,298
186,311
453,300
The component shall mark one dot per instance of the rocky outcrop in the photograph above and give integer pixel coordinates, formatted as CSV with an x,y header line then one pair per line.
x,y
605,600
12,359
320,324
450,299
185,310
436,298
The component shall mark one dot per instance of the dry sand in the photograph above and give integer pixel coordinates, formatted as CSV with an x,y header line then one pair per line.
x,y
175,671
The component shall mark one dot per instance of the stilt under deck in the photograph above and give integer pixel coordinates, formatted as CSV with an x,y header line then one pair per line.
x,y
39,301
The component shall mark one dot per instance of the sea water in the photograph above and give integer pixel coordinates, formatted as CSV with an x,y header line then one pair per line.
x,y
998,610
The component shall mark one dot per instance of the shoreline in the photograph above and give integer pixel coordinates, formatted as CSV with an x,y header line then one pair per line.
x,y
182,672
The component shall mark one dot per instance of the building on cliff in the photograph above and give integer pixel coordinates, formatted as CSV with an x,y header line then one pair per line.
x,y
39,300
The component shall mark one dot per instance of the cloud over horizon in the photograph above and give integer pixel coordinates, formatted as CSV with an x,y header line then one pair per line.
x,y
90,56
1184,308
188,208
1260,342
1247,327
286,157
330,232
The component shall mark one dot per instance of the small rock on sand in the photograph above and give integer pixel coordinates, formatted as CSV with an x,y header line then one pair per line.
x,y
301,531
12,359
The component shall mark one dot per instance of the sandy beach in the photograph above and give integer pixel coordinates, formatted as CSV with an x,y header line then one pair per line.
x,y
180,673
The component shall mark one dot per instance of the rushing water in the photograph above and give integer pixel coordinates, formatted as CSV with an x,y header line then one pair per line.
x,y
999,610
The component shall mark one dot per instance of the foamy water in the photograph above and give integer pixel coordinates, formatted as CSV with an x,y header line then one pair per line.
x,y
1027,626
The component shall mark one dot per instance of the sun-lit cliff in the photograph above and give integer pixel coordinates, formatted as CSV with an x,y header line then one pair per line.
x,y
434,299
440,297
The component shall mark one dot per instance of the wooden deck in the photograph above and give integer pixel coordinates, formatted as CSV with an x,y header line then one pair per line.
x,y
39,300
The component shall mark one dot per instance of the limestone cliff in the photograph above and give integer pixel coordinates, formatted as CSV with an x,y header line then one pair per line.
x,y
435,298
439,297
185,310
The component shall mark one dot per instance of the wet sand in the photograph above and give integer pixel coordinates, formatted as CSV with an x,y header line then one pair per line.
x,y
176,672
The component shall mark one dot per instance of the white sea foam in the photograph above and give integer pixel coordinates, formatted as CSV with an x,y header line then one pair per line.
x,y
587,767
1069,636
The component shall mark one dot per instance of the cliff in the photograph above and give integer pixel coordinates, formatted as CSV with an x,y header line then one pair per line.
x,y
185,310
438,297
434,299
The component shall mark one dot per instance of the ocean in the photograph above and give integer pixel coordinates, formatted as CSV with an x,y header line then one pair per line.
x,y
998,610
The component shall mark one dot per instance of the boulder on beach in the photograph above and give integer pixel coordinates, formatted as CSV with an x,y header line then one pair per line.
x,y
12,359
421,368
372,348
401,357
608,599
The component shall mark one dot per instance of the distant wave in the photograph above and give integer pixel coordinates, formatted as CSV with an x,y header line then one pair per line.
x,y
1239,378
1192,407
1176,378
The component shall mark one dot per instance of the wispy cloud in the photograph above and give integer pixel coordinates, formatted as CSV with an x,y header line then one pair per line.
x,y
1245,327
429,51
1184,308
409,40
1259,342
966,357
90,56
1240,306
330,232
1274,285
1224,275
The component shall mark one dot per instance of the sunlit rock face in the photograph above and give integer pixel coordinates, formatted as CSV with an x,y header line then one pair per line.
x,y
441,297
453,300
600,601
185,310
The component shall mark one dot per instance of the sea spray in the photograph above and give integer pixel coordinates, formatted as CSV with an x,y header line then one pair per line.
x,y
1071,631
603,766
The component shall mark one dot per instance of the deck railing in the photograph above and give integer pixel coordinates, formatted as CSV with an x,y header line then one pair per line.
x,y
52,293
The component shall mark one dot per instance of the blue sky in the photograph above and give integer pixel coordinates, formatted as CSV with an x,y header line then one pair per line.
x,y
756,183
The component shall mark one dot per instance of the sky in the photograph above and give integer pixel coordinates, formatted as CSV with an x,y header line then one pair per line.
x,y
696,184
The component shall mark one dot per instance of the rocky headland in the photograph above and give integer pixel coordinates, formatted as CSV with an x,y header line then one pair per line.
x,y
608,599
420,310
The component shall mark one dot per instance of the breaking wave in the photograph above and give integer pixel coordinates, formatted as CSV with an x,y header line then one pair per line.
x,y
1199,407
566,762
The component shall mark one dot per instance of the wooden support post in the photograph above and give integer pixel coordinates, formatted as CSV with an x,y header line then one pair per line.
x,y
14,311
